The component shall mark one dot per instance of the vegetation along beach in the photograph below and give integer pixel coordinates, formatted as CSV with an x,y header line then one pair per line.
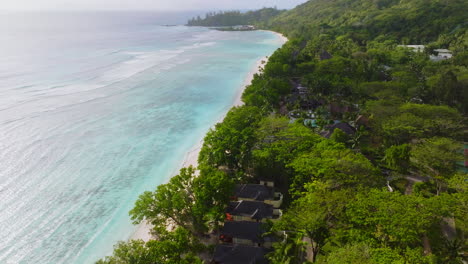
x,y
320,131
348,147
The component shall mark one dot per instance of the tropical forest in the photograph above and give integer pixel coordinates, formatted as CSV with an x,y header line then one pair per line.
x,y
360,122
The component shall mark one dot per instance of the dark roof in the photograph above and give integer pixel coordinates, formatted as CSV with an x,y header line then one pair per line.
x,y
266,179
239,254
345,127
244,230
324,55
254,209
254,191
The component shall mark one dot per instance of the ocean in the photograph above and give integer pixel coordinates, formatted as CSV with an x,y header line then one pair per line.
x,y
96,108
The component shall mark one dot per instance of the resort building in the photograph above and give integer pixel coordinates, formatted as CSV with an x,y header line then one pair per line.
x,y
245,233
259,192
239,254
242,238
252,211
415,48
441,54
345,127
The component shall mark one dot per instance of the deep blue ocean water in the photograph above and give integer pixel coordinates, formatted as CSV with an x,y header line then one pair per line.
x,y
96,108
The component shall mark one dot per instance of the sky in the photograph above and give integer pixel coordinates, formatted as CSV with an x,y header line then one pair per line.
x,y
158,5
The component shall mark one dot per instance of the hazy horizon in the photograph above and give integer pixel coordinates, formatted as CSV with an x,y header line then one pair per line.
x,y
143,5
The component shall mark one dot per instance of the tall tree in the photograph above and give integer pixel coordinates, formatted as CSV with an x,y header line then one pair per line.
x,y
437,158
397,157
333,162
392,219
279,142
173,247
171,203
193,202
316,215
230,143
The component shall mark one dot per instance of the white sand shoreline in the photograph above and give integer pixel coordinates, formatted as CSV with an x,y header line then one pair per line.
x,y
281,36
142,231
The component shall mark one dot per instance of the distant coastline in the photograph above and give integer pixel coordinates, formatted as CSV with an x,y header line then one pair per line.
x,y
142,231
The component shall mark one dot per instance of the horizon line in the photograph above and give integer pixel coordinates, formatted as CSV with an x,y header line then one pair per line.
x,y
132,10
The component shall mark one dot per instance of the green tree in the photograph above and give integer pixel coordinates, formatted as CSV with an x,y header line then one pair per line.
x,y
412,121
266,89
437,157
188,201
445,88
170,203
288,251
230,143
391,219
212,190
362,253
316,215
459,183
349,254
397,158
278,143
339,136
333,162
177,247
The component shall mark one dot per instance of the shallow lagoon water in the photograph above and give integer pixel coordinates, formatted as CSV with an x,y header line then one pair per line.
x,y
94,110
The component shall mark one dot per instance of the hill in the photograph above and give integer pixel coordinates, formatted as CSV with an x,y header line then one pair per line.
x,y
410,21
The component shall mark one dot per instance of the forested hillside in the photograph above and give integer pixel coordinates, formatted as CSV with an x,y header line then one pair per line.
x,y
407,20
234,18
364,137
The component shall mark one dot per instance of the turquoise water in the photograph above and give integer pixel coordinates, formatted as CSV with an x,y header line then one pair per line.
x,y
94,110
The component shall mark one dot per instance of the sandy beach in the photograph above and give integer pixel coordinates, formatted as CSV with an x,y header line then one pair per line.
x,y
191,158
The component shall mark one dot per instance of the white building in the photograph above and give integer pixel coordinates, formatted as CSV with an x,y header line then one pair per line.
x,y
415,48
442,54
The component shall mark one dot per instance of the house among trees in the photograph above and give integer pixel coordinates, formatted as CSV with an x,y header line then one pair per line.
x,y
298,88
362,120
335,108
441,54
438,54
253,211
300,95
235,254
415,48
242,236
324,55
245,233
259,192
345,127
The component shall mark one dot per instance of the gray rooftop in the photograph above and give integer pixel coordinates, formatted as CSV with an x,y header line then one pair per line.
x,y
244,230
239,254
254,191
345,127
253,209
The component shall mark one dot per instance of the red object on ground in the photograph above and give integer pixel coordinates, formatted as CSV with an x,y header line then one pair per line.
x,y
229,217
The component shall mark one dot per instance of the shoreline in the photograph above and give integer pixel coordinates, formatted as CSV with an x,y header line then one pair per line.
x,y
281,36
142,231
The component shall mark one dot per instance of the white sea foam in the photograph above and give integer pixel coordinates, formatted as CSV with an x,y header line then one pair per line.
x,y
75,93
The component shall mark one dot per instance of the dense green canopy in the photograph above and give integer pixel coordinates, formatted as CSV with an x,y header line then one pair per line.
x,y
362,136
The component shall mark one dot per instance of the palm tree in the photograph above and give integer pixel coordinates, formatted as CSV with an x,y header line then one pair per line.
x,y
289,251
